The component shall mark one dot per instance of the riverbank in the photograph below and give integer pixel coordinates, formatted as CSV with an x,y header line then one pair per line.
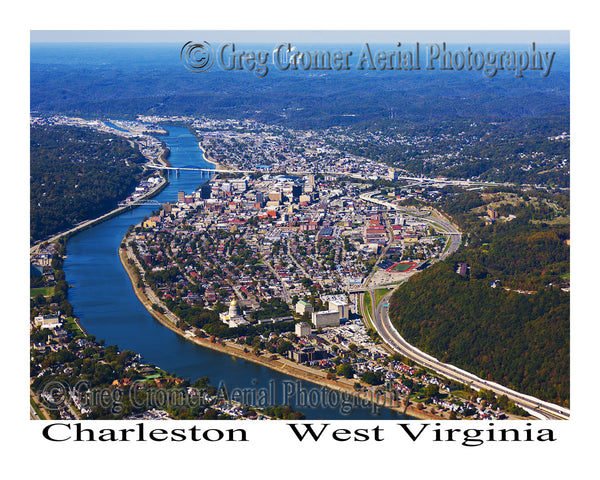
x,y
102,218
209,159
274,362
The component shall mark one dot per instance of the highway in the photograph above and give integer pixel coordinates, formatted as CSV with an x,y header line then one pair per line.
x,y
440,223
382,323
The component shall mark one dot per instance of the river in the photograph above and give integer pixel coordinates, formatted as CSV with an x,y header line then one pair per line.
x,y
103,299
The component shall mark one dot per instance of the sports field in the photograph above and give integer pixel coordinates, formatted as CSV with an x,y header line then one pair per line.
x,y
402,267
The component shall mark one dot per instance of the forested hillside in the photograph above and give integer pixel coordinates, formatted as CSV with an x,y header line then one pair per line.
x,y
77,174
508,319
519,150
125,80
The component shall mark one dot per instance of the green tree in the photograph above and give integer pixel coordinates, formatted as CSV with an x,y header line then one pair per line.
x,y
432,390
372,378
345,370
284,347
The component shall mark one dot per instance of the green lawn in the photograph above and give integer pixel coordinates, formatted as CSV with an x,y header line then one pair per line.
x,y
368,308
379,294
37,410
402,267
45,291
73,328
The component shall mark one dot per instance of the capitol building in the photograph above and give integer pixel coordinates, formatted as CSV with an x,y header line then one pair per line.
x,y
233,318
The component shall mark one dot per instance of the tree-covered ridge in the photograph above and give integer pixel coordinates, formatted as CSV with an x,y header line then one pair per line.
x,y
523,259
507,319
77,174
116,80
522,151
526,247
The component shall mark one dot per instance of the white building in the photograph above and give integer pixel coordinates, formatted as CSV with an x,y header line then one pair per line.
x,y
338,302
328,318
239,185
48,321
302,329
303,307
341,306
232,318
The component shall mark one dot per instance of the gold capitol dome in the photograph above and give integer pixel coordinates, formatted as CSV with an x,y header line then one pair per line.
x,y
233,303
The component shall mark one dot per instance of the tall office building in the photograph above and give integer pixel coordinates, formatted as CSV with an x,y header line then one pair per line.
x,y
205,191
260,198
296,191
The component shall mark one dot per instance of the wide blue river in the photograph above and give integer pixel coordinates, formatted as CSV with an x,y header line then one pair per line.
x,y
103,298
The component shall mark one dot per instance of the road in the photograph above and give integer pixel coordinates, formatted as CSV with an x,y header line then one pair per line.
x,y
438,221
445,226
87,223
147,291
284,289
382,323
33,414
300,267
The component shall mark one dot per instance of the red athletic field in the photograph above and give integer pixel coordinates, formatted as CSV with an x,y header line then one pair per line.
x,y
402,267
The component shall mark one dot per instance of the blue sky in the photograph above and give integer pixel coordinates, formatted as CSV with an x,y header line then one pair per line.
x,y
323,36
